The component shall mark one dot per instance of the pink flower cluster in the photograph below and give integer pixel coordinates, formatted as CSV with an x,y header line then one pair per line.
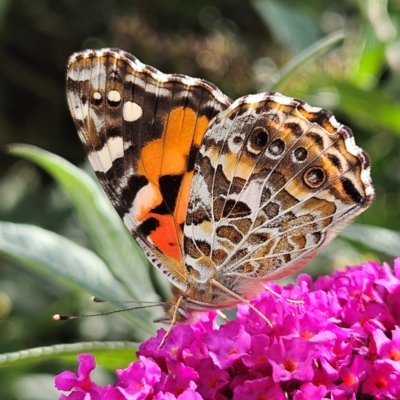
x,y
342,342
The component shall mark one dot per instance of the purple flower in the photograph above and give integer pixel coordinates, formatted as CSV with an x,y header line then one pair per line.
x,y
85,389
292,359
341,342
211,378
228,344
139,379
387,348
382,381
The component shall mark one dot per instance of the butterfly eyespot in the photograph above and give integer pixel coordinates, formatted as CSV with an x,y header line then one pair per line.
x,y
300,154
277,147
235,144
114,98
257,140
96,99
314,177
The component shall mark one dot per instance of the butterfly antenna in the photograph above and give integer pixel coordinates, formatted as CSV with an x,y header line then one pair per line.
x,y
145,304
97,299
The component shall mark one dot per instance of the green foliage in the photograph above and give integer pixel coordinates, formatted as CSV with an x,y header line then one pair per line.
x,y
62,241
110,355
107,233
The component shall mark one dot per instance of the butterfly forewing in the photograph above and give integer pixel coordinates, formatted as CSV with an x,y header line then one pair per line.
x,y
141,130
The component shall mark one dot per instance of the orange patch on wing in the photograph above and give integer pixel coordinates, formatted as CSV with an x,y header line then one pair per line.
x,y
150,161
183,128
165,236
168,155
201,127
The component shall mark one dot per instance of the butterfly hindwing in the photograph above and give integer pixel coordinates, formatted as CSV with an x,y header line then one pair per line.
x,y
141,130
273,179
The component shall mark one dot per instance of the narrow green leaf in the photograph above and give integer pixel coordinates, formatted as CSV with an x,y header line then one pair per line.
x,y
59,258
367,67
310,54
379,239
63,260
110,355
107,232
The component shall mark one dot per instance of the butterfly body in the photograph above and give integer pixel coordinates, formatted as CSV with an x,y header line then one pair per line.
x,y
220,195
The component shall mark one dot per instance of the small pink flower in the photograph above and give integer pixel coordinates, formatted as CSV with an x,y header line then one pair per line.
x,y
292,359
84,387
354,374
382,380
228,344
140,378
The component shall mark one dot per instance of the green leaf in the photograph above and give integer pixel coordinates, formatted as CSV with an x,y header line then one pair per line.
x,y
379,239
110,355
373,109
63,260
367,67
107,232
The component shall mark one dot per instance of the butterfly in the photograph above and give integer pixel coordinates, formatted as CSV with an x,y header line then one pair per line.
x,y
220,195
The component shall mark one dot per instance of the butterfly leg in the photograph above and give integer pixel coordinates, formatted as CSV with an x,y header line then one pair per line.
x,y
173,322
268,289
242,300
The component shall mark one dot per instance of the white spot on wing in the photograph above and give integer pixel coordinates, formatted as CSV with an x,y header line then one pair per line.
x,y
114,96
74,74
130,78
102,160
146,198
80,111
132,111
98,77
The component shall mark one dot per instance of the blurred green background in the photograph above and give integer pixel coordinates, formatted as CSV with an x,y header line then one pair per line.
x,y
241,47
